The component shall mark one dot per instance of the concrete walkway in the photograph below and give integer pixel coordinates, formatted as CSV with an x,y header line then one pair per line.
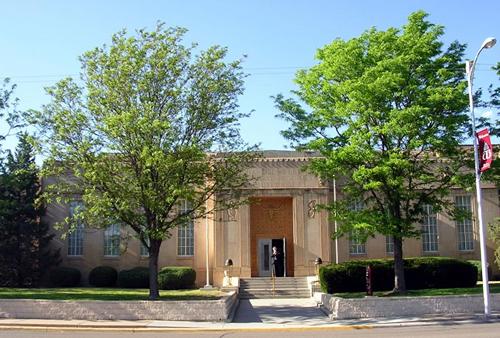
x,y
299,311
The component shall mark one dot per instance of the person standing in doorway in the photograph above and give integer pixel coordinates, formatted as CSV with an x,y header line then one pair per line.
x,y
277,259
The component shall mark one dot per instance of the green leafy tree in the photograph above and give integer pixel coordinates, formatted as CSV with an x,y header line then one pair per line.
x,y
493,174
386,112
494,232
492,123
25,252
151,126
10,117
494,103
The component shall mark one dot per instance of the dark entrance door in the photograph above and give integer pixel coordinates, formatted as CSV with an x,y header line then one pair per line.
x,y
278,257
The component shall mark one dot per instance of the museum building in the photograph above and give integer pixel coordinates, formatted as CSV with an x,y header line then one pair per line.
x,y
281,213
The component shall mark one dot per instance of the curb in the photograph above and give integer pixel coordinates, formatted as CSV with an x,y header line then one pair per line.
x,y
235,327
179,329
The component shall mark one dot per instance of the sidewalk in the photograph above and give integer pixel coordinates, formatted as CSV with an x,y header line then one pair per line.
x,y
255,314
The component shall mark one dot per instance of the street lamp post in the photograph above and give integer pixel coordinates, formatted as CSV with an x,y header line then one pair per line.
x,y
207,265
335,221
469,66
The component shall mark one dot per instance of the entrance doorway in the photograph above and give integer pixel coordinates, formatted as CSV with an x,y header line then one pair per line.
x,y
271,224
272,257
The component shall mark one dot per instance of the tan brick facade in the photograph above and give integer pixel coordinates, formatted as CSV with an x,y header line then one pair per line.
x,y
284,197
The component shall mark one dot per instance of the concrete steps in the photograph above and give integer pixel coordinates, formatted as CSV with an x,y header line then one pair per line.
x,y
285,287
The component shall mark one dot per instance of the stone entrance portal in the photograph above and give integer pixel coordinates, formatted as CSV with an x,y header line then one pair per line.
x,y
271,221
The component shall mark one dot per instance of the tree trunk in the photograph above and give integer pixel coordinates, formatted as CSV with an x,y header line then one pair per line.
x,y
154,252
399,273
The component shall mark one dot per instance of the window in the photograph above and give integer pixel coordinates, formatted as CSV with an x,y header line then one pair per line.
x,y
144,249
75,237
185,234
464,226
356,246
430,237
357,205
389,244
112,240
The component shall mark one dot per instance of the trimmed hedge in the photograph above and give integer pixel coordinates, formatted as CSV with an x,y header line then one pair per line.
x,y
176,278
420,273
136,278
477,264
65,277
103,276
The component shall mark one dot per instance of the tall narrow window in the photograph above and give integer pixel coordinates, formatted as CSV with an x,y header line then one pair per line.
x,y
356,246
75,237
357,205
185,234
429,230
464,225
112,240
144,249
389,244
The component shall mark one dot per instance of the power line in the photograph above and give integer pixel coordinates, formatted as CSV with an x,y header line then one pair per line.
x,y
269,69
252,71
42,76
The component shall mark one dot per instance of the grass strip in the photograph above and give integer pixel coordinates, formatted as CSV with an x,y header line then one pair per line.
x,y
494,288
74,294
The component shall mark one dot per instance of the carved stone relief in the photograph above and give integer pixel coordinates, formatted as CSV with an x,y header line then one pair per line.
x,y
311,208
232,214
272,211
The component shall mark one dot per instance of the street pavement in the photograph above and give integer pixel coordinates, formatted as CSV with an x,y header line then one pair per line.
x,y
251,315
478,330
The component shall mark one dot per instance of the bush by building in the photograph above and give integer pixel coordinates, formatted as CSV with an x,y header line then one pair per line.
x,y
65,277
176,277
103,276
420,273
136,278
477,264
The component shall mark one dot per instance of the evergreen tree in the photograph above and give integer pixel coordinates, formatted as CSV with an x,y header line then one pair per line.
x,y
25,251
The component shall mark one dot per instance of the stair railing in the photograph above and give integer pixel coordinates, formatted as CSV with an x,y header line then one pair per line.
x,y
273,279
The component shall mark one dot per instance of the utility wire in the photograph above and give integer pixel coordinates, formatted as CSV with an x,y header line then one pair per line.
x,y
253,71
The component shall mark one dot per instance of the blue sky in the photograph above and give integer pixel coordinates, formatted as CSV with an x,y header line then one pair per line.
x,y
41,40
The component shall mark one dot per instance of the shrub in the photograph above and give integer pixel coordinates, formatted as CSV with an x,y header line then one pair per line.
x,y
420,273
136,278
65,277
477,264
176,277
103,276
351,276
439,272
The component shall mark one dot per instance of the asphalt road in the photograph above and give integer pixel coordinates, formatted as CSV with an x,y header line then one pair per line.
x,y
479,330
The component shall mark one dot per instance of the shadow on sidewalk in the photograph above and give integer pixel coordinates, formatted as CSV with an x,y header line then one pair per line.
x,y
274,312
246,313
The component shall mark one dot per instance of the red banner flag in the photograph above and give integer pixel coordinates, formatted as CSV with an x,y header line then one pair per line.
x,y
485,150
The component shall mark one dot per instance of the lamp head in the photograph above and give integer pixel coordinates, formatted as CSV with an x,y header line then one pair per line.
x,y
489,42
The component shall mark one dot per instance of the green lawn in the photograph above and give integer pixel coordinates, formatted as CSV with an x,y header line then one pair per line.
x,y
105,294
494,288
